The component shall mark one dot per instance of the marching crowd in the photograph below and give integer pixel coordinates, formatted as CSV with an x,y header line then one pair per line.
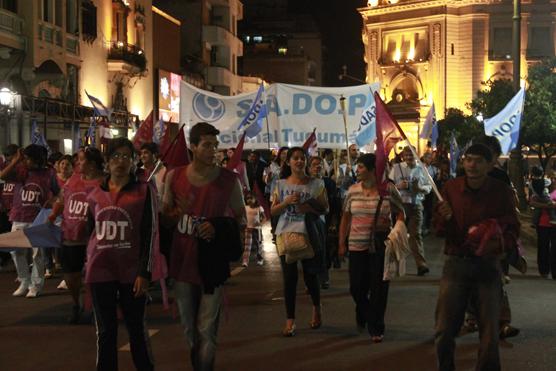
x,y
127,221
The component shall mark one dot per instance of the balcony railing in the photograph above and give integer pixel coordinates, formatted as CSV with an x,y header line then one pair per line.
x,y
128,53
10,22
50,34
72,44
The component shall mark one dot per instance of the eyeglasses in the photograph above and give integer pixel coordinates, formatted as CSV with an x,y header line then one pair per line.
x,y
120,156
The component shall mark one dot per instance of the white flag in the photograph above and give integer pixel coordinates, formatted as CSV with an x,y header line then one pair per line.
x,y
505,125
430,121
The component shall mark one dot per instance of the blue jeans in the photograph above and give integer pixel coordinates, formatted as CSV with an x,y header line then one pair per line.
x,y
463,277
199,314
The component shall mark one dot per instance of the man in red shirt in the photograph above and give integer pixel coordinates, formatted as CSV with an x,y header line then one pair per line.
x,y
469,202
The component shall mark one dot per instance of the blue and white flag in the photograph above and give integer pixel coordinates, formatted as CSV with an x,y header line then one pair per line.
x,y
506,124
454,155
252,122
37,137
99,109
430,127
41,233
91,133
366,132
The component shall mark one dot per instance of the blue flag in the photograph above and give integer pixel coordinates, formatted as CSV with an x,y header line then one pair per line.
x,y
430,127
506,124
252,122
91,133
99,109
366,132
158,131
37,137
454,155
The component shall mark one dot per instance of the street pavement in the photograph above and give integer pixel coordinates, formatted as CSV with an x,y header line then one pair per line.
x,y
34,334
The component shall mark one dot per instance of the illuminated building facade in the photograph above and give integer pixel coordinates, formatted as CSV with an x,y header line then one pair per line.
x,y
424,51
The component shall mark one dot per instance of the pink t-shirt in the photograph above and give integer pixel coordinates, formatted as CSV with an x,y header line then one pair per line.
x,y
544,219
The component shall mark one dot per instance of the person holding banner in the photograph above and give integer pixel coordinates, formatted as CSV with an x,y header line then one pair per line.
x,y
472,269
72,204
205,203
35,186
122,256
296,194
413,186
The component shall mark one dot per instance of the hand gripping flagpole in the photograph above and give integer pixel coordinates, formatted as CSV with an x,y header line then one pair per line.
x,y
343,106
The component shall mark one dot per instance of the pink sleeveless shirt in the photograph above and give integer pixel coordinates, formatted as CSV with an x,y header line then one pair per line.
x,y
76,207
30,195
209,201
114,246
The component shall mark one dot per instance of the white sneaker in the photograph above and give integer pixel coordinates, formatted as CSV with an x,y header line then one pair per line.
x,y
260,262
21,290
62,285
48,274
34,291
244,265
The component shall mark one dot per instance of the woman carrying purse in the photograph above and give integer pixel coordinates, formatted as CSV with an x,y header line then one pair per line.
x,y
295,195
366,222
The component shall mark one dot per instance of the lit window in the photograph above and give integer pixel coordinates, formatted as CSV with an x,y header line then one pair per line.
x,y
247,38
258,39
283,51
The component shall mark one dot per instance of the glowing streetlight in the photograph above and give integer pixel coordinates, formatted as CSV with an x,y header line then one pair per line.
x,y
6,96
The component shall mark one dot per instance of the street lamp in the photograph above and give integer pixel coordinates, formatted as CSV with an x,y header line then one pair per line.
x,y
6,97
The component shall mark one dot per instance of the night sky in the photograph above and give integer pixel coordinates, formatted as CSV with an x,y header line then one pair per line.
x,y
340,25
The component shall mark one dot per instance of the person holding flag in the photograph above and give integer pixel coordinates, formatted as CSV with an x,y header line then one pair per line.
x,y
35,186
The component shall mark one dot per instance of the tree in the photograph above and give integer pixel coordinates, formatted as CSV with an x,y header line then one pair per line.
x,y
464,128
538,128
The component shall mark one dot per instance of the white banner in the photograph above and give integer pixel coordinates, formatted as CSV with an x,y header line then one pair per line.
x,y
293,112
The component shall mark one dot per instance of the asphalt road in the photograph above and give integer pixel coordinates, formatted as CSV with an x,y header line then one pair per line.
x,y
34,334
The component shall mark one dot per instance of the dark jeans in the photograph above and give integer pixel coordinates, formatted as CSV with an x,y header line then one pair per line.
x,y
368,290
106,296
428,210
461,278
546,253
289,273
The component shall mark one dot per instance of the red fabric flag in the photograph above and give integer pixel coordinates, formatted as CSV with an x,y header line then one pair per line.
x,y
311,145
234,162
177,153
165,142
388,133
145,132
261,200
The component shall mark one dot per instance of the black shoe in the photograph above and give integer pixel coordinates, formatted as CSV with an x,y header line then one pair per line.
x,y
325,285
508,331
421,271
75,315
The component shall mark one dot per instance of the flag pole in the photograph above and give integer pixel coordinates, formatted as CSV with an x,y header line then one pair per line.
x,y
343,105
266,119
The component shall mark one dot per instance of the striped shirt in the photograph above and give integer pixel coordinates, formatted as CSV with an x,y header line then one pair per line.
x,y
363,209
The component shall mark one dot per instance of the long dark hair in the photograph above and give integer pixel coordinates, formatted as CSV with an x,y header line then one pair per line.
x,y
286,170
277,159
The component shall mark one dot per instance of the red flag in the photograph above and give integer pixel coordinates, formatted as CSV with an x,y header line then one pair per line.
x,y
234,162
311,145
177,153
145,132
165,142
261,200
388,133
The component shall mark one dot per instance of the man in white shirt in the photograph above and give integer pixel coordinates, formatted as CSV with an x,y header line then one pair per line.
x,y
413,186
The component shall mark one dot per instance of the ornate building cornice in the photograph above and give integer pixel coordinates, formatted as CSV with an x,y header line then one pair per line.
x,y
420,4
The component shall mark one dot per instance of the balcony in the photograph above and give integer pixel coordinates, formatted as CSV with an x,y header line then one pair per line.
x,y
127,58
219,36
50,34
11,30
72,44
221,76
